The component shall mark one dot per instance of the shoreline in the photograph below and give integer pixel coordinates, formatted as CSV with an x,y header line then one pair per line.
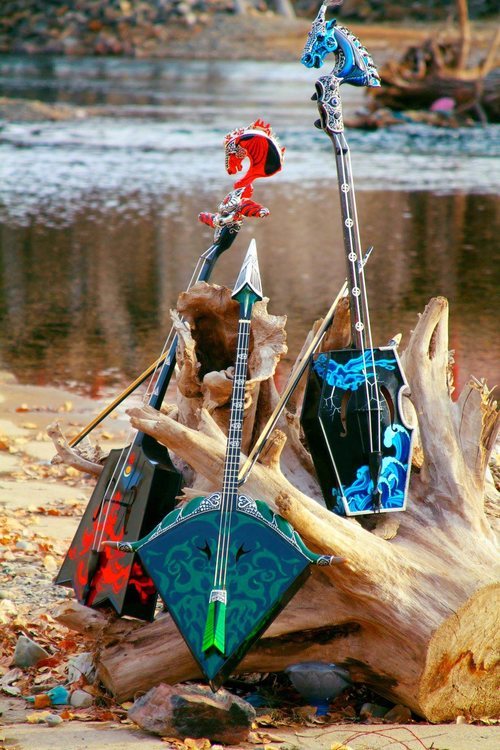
x,y
250,37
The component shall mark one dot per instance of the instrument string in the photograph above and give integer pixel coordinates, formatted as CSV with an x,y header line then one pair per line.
x,y
351,222
367,322
236,446
232,461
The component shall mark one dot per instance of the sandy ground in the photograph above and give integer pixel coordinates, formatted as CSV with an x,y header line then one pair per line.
x,y
30,487
109,737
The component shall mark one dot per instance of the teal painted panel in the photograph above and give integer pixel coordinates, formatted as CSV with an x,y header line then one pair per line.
x,y
265,566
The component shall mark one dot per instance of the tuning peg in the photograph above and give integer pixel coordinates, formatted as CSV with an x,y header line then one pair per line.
x,y
314,97
317,124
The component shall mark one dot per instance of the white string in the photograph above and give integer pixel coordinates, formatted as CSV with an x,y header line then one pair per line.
x,y
232,459
353,223
367,322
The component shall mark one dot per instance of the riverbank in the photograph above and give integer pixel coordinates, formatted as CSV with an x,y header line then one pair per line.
x,y
255,36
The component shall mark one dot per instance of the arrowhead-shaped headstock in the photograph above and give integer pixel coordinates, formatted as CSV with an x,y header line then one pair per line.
x,y
248,287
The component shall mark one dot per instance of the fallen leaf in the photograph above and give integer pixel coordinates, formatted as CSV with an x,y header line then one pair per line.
x,y
197,744
257,738
265,721
37,717
9,690
306,713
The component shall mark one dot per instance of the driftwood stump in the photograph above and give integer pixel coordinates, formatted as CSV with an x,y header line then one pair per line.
x,y
438,68
413,612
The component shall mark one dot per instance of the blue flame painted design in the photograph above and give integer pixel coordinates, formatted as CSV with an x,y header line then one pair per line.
x,y
392,478
351,375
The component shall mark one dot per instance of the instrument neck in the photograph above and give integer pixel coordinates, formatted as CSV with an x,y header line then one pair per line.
x,y
235,431
352,242
204,270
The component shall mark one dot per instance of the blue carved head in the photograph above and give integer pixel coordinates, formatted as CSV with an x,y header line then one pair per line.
x,y
320,40
352,62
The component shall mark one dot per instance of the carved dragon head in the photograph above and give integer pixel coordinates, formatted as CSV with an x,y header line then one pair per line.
x,y
257,143
353,64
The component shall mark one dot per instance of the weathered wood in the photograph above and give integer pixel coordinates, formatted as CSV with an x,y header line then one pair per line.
x,y
412,617
440,67
86,458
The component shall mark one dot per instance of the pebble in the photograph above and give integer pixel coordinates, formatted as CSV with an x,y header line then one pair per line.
x,y
24,545
81,699
372,710
81,665
50,564
27,570
398,714
28,653
53,720
7,610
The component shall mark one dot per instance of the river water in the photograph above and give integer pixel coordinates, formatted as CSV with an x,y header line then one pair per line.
x,y
98,229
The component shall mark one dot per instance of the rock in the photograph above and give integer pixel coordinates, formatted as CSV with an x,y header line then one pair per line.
x,y
398,714
25,546
372,711
7,606
7,610
7,378
193,711
29,571
50,563
53,720
81,665
4,594
81,699
28,653
318,681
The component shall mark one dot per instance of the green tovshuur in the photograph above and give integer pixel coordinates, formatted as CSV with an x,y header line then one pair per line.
x,y
225,565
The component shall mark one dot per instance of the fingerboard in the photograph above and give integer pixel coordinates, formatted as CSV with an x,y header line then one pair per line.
x,y
234,437
352,242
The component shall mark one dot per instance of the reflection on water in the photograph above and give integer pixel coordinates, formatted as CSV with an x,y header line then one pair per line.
x,y
98,230
94,296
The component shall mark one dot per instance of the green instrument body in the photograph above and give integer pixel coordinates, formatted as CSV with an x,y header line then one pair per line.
x,y
267,563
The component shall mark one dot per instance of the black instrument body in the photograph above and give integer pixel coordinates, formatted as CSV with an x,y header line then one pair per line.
x,y
335,419
146,495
